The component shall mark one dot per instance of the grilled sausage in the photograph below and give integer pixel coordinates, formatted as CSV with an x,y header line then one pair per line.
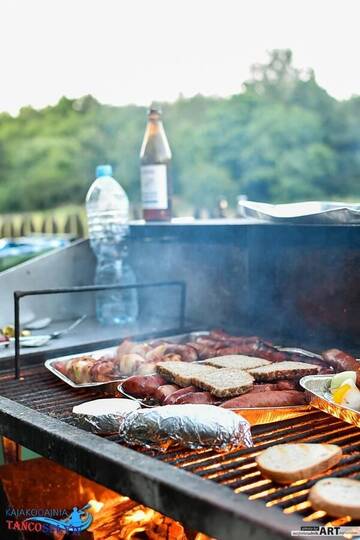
x,y
286,385
220,335
275,398
208,342
268,387
143,386
164,391
342,361
172,398
196,397
263,388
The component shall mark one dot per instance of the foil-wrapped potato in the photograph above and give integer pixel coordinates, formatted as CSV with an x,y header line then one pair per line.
x,y
192,426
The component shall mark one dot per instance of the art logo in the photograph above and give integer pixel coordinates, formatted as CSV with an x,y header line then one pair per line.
x,y
44,521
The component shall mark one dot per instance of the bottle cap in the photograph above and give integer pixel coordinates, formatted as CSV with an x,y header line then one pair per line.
x,y
103,170
155,108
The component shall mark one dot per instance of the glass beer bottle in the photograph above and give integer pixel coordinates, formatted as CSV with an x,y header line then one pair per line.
x,y
155,157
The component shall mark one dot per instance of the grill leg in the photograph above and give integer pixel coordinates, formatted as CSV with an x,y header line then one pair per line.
x,y
5,533
11,451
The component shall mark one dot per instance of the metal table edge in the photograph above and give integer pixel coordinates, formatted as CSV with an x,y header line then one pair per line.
x,y
154,483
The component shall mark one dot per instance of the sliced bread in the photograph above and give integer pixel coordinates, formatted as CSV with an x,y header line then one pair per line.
x,y
236,361
337,497
182,373
226,382
283,370
287,463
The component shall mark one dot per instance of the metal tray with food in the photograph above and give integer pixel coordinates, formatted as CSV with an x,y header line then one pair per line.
x,y
269,394
334,399
112,364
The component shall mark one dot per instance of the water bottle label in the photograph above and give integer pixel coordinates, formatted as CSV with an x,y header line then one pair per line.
x,y
154,187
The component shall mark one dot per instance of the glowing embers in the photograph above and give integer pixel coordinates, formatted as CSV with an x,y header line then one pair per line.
x,y
117,517
127,520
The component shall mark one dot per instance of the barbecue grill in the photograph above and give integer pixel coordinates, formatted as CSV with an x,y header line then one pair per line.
x,y
217,493
221,494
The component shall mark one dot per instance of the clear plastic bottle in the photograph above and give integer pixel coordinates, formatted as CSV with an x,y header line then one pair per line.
x,y
107,207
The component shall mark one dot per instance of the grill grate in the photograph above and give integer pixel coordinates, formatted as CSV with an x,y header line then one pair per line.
x,y
40,390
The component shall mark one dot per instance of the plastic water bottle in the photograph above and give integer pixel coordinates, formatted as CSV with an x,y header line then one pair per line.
x,y
107,207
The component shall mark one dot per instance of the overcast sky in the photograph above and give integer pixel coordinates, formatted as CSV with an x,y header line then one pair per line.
x,y
136,51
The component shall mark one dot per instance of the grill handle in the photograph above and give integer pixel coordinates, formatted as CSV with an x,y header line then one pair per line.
x,y
18,295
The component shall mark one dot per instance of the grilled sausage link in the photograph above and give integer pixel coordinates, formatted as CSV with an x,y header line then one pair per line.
x,y
164,391
275,398
255,348
280,385
196,397
143,386
342,361
172,398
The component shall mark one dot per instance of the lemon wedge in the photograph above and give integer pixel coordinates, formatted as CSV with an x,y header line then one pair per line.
x,y
340,393
338,379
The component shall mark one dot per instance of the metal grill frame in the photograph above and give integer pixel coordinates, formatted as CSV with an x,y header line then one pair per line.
x,y
18,295
171,483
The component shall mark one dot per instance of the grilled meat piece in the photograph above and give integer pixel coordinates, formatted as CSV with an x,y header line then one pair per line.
x,y
172,398
125,347
275,398
187,352
128,346
79,370
62,367
146,368
157,353
220,335
104,370
164,391
196,398
143,386
205,351
342,361
129,363
208,342
280,385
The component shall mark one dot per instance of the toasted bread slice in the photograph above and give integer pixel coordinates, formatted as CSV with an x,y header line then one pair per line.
x,y
236,361
287,463
226,382
283,370
337,497
182,373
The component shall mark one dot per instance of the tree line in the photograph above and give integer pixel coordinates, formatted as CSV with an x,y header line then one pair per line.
x,y
282,138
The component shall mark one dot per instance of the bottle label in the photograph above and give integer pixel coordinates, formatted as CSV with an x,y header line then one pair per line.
x,y
154,191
